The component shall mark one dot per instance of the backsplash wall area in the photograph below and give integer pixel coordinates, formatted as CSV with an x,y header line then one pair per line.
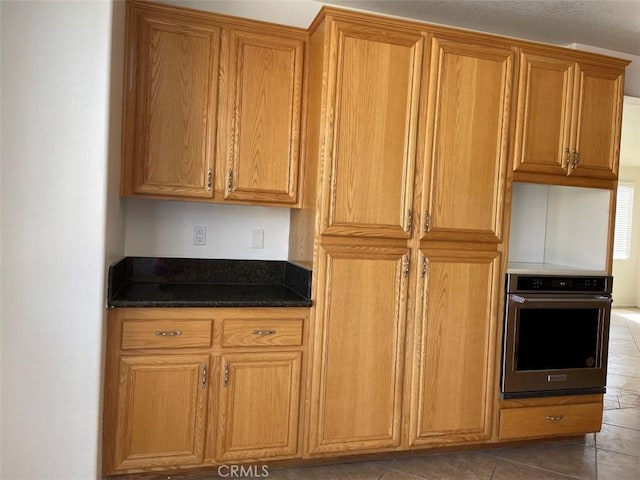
x,y
157,228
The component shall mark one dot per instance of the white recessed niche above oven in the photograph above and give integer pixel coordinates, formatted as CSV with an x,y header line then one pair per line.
x,y
557,225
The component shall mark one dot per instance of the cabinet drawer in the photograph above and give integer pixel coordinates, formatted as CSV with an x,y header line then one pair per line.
x,y
242,332
166,334
550,420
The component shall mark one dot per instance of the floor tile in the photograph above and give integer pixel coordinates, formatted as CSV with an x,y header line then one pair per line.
x,y
615,466
619,439
611,402
623,417
460,466
568,458
627,399
351,471
622,382
395,475
513,471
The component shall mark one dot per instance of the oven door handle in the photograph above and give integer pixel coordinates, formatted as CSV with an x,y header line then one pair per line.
x,y
599,298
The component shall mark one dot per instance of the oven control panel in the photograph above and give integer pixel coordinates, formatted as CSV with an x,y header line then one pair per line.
x,y
553,283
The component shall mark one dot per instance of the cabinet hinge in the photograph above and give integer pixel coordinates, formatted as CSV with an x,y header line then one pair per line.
x,y
576,158
209,178
203,376
427,222
409,220
405,261
423,272
226,374
230,180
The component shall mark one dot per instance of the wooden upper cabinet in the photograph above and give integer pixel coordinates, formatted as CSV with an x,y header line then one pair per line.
x,y
568,117
468,110
160,411
543,122
454,358
261,102
358,349
170,104
213,107
372,113
597,122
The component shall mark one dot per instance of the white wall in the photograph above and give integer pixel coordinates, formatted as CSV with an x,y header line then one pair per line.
x,y
626,285
559,225
55,89
165,229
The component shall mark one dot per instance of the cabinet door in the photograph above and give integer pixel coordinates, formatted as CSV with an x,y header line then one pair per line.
x,y
454,360
372,110
161,410
259,404
358,345
543,120
262,96
466,148
597,120
170,117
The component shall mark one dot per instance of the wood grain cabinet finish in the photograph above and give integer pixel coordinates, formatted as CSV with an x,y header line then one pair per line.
x,y
161,411
568,117
358,343
170,104
466,148
455,337
213,107
259,403
373,95
215,393
261,98
580,416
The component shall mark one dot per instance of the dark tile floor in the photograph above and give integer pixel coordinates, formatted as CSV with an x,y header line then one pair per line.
x,y
612,454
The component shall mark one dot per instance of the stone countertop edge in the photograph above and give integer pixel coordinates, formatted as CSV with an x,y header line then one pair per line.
x,y
189,282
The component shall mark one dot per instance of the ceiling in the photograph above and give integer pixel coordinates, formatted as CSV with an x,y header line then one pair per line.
x,y
609,24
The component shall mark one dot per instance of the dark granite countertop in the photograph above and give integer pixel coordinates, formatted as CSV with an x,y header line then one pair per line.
x,y
186,282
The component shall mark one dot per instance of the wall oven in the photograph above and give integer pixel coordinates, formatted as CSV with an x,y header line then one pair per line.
x,y
556,335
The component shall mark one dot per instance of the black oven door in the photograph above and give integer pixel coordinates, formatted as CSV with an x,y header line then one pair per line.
x,y
555,343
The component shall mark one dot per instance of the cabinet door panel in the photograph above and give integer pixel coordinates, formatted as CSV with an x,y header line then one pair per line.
x,y
358,357
371,169
259,404
161,406
176,107
452,382
264,82
598,122
543,120
468,124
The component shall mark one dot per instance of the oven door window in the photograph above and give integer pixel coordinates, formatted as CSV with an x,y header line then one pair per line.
x,y
557,338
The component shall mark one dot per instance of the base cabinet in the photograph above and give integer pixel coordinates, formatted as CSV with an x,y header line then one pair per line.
x,y
451,394
191,387
357,361
549,417
259,398
161,404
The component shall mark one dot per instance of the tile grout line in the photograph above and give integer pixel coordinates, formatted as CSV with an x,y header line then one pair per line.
x,y
508,460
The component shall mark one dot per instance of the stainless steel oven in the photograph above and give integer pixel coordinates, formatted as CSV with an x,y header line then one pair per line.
x,y
556,335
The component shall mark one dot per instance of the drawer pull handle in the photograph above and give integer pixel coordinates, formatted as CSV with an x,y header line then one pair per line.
x,y
263,332
554,418
175,333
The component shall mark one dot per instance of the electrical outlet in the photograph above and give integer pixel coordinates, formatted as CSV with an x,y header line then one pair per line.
x,y
257,238
199,235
